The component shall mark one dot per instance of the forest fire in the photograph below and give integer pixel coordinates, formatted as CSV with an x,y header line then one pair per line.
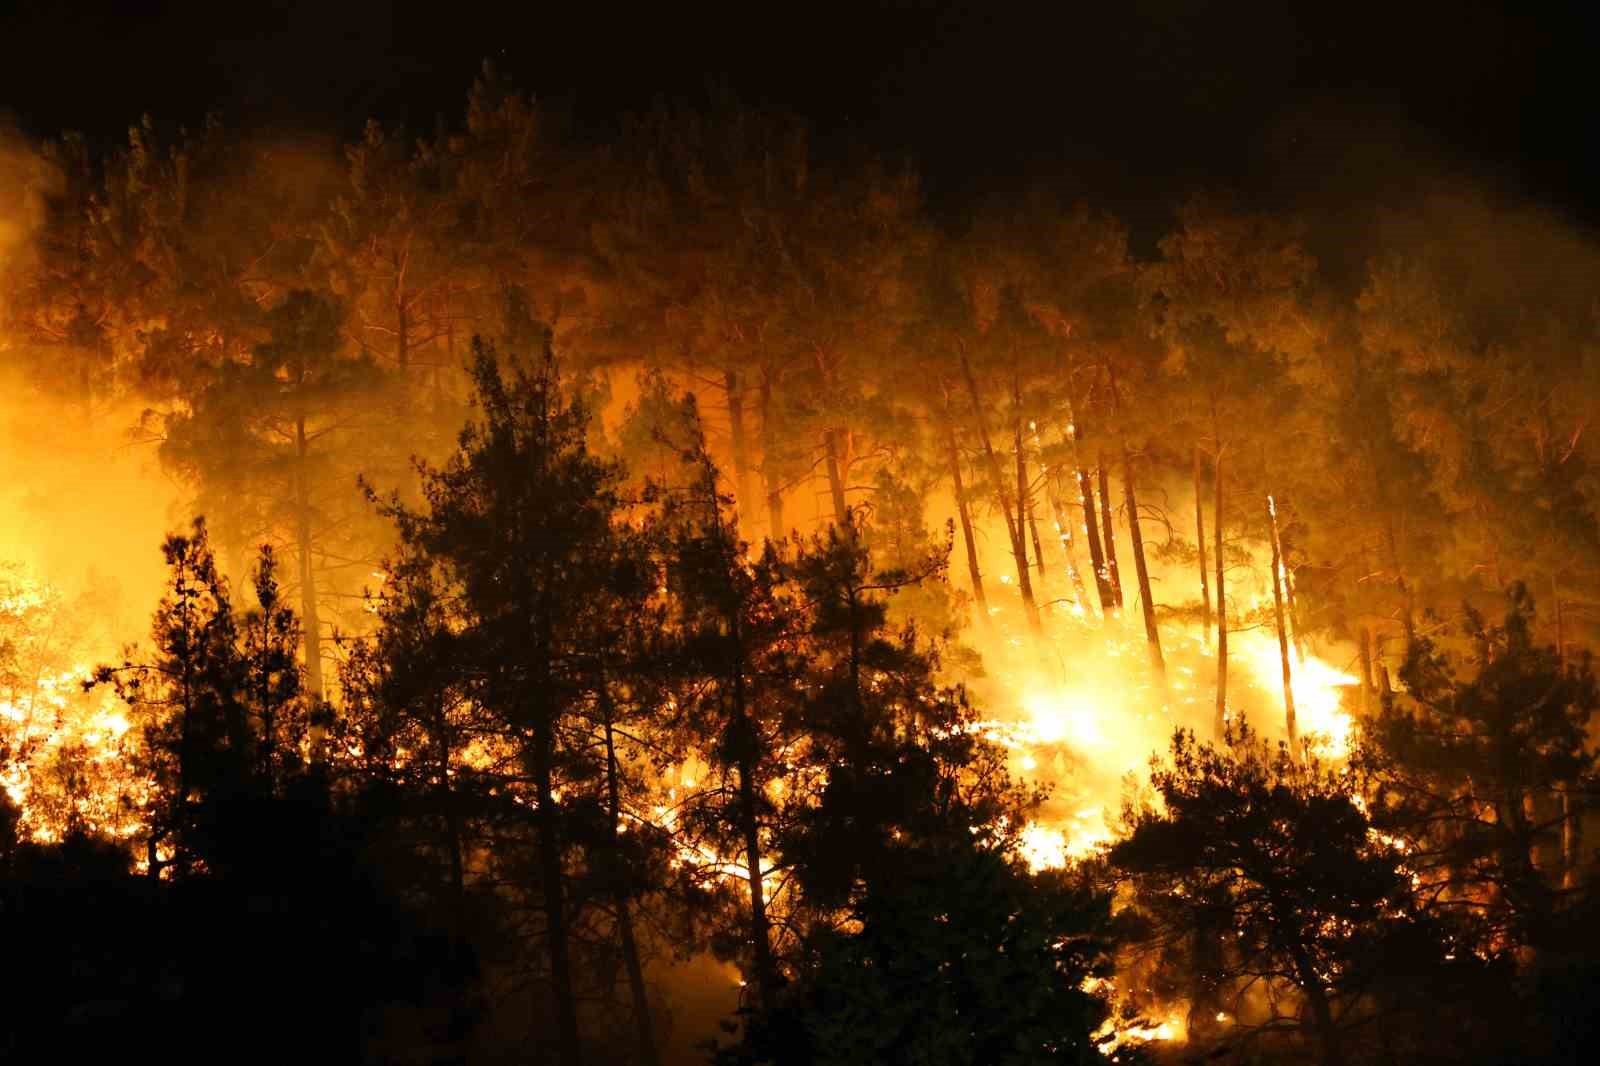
x,y
533,588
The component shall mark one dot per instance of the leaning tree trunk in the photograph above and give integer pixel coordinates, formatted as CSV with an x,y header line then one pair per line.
x,y
964,512
1019,551
1289,724
1113,575
1220,725
1200,543
737,436
1147,603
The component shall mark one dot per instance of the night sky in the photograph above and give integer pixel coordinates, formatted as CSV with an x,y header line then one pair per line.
x,y
1129,102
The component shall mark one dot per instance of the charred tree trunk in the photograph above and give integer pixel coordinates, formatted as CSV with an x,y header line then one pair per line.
x,y
1109,530
1019,551
964,512
1147,603
1220,724
1200,543
740,442
625,935
1290,726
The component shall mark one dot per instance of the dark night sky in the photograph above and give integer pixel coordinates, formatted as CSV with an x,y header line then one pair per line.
x,y
1132,101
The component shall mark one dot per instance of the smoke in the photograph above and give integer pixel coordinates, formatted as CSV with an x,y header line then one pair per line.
x,y
26,178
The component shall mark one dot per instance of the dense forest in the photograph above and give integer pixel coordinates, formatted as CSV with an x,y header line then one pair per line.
x,y
674,597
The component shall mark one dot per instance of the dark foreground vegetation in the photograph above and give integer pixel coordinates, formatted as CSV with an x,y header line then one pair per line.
x,y
512,726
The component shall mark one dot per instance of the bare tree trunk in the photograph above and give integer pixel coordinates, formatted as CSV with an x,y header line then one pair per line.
x,y
1222,607
1290,726
1147,603
736,432
1109,529
964,511
1200,543
1019,551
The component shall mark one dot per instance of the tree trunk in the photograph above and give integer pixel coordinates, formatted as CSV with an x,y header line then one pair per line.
x,y
769,462
1024,484
736,433
311,626
1289,724
625,936
1220,724
1364,653
1321,1011
1063,526
1038,545
1091,520
1147,602
964,512
1019,551
830,442
766,974
1295,629
1407,605
841,507
1097,558
1109,531
1200,543
550,877
1571,814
